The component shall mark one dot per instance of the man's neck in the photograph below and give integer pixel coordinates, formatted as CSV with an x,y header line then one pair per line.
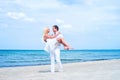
x,y
56,32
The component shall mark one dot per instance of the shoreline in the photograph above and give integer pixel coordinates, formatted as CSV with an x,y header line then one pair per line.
x,y
62,63
92,70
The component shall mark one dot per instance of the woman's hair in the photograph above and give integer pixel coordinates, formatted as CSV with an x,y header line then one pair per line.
x,y
45,31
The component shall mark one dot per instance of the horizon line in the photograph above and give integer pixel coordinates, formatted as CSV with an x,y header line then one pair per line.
x,y
61,49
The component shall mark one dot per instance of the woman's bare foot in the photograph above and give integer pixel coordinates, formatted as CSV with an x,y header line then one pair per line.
x,y
68,48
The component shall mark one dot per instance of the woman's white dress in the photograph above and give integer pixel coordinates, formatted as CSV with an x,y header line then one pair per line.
x,y
52,44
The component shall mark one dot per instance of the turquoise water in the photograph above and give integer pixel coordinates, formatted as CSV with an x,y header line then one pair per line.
x,y
13,58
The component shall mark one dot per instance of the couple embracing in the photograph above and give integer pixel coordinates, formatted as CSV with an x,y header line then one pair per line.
x,y
53,46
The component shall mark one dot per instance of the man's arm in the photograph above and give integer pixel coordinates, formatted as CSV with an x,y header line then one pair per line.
x,y
52,36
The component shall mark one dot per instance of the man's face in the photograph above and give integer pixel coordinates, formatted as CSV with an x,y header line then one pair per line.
x,y
54,29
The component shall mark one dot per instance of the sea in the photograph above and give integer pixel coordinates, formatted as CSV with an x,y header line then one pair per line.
x,y
16,58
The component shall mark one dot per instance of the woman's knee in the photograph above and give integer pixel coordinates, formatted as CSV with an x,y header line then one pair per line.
x,y
59,40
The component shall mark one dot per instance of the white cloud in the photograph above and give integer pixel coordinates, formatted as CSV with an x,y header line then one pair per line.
x,y
16,15
20,16
63,24
29,19
68,26
89,2
59,21
38,4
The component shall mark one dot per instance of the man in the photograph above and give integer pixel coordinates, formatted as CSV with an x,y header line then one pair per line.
x,y
56,52
53,46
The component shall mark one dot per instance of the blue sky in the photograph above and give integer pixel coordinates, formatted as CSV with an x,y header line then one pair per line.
x,y
85,24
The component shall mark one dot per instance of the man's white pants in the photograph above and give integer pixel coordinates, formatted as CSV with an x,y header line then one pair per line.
x,y
55,54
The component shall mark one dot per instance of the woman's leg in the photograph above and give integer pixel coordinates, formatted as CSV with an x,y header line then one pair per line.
x,y
62,41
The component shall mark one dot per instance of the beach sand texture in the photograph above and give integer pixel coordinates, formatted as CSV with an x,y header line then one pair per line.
x,y
95,70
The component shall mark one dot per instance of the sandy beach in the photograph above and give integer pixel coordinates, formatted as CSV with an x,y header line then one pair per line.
x,y
95,70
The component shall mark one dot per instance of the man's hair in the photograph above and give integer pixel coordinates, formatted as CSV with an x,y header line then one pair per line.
x,y
56,27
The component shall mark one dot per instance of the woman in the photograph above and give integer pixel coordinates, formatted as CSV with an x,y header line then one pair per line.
x,y
52,41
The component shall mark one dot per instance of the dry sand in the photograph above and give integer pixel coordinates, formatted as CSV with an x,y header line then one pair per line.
x,y
95,70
